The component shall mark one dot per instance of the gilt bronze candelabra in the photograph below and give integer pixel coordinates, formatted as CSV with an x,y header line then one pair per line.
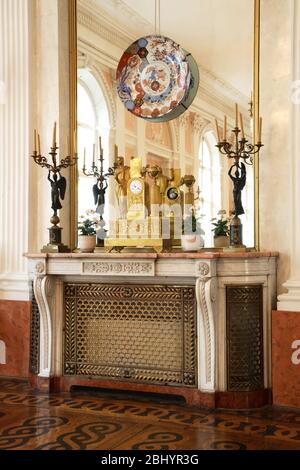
x,y
58,188
241,151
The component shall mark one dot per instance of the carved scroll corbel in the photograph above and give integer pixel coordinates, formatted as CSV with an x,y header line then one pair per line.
x,y
206,296
43,291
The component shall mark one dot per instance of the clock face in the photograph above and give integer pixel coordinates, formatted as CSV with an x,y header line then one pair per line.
x,y
172,193
136,187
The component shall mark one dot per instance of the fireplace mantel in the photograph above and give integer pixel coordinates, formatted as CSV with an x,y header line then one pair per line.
x,y
212,275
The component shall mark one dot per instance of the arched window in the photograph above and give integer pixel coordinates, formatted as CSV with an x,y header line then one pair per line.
x,y
209,180
93,122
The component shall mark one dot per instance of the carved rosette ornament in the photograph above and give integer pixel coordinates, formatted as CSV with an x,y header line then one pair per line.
x,y
40,268
203,269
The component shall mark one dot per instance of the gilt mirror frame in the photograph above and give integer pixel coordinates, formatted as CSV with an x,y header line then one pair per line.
x,y
72,6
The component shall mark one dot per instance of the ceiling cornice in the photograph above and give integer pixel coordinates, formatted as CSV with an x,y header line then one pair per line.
x,y
96,19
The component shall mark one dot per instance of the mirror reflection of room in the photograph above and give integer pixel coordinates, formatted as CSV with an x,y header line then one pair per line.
x,y
189,141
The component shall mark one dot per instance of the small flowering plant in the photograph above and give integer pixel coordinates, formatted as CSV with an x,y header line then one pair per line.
x,y
89,223
221,225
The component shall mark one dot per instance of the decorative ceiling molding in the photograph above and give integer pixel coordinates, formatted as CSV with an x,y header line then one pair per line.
x,y
96,53
198,122
128,15
93,17
106,32
184,119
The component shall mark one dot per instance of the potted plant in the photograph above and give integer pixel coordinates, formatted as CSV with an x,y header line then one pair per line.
x,y
221,229
87,227
191,238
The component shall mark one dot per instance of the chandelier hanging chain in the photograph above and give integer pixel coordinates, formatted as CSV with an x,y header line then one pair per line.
x,y
157,17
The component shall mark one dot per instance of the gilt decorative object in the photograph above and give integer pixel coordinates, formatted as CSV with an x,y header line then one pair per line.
x,y
241,151
149,206
58,188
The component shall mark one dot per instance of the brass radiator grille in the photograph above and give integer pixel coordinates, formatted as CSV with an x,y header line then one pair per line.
x,y
245,368
139,333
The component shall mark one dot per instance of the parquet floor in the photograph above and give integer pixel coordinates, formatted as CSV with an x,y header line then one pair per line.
x,y
81,420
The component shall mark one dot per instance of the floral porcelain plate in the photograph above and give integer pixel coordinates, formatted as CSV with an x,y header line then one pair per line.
x,y
190,93
153,76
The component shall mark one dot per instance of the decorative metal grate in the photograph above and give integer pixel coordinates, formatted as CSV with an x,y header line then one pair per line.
x,y
140,333
34,364
245,371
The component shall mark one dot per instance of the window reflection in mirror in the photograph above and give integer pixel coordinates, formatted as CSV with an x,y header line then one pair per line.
x,y
92,122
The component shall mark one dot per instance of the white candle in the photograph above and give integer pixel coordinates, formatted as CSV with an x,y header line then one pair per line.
x,y
34,140
218,131
225,128
236,115
242,125
54,136
260,129
39,145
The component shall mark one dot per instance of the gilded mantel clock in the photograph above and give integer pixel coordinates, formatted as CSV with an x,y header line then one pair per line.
x,y
137,190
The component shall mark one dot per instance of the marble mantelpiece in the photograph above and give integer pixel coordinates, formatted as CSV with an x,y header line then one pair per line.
x,y
209,272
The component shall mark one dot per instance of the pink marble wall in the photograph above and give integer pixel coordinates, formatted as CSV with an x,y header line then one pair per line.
x,y
286,358
15,332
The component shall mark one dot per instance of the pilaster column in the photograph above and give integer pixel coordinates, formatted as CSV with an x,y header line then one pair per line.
x,y
120,126
141,140
14,148
291,300
183,119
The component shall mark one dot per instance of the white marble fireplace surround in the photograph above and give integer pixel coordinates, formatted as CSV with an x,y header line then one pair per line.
x,y
210,272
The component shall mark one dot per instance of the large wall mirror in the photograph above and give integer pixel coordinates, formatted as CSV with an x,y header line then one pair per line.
x,y
223,37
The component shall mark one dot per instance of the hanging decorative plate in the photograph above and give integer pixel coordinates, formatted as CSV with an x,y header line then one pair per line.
x,y
153,77
190,93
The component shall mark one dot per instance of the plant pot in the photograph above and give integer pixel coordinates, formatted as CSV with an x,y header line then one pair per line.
x,y
87,243
222,241
193,242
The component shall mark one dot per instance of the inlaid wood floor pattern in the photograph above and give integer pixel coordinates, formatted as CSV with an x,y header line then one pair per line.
x,y
83,421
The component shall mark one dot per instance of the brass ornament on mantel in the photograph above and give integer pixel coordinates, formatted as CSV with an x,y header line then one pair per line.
x,y
150,211
58,188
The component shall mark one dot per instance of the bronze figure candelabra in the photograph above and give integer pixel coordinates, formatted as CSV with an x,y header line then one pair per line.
x,y
241,151
58,188
99,189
